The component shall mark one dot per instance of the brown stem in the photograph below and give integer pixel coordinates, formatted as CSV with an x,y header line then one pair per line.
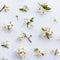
x,y
4,46
28,38
2,8
47,35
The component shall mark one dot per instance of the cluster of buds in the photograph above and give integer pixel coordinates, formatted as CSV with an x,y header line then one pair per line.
x,y
46,32
23,35
55,52
5,44
5,8
8,26
21,51
39,53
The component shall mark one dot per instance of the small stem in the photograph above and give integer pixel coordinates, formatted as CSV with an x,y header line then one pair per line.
x,y
55,52
28,38
4,46
28,23
47,35
2,8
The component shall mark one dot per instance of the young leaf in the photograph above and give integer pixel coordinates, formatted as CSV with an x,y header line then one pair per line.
x,y
31,19
43,29
36,49
22,9
46,7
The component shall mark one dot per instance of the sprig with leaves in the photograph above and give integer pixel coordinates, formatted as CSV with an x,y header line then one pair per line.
x,y
29,21
39,52
46,32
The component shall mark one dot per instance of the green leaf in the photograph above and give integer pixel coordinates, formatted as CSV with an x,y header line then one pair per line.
x,y
22,9
36,49
43,29
46,7
32,19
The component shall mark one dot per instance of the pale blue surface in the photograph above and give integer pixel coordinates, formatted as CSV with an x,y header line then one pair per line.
x,y
39,21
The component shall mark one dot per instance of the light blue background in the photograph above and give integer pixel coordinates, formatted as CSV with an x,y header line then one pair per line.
x,y
39,21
